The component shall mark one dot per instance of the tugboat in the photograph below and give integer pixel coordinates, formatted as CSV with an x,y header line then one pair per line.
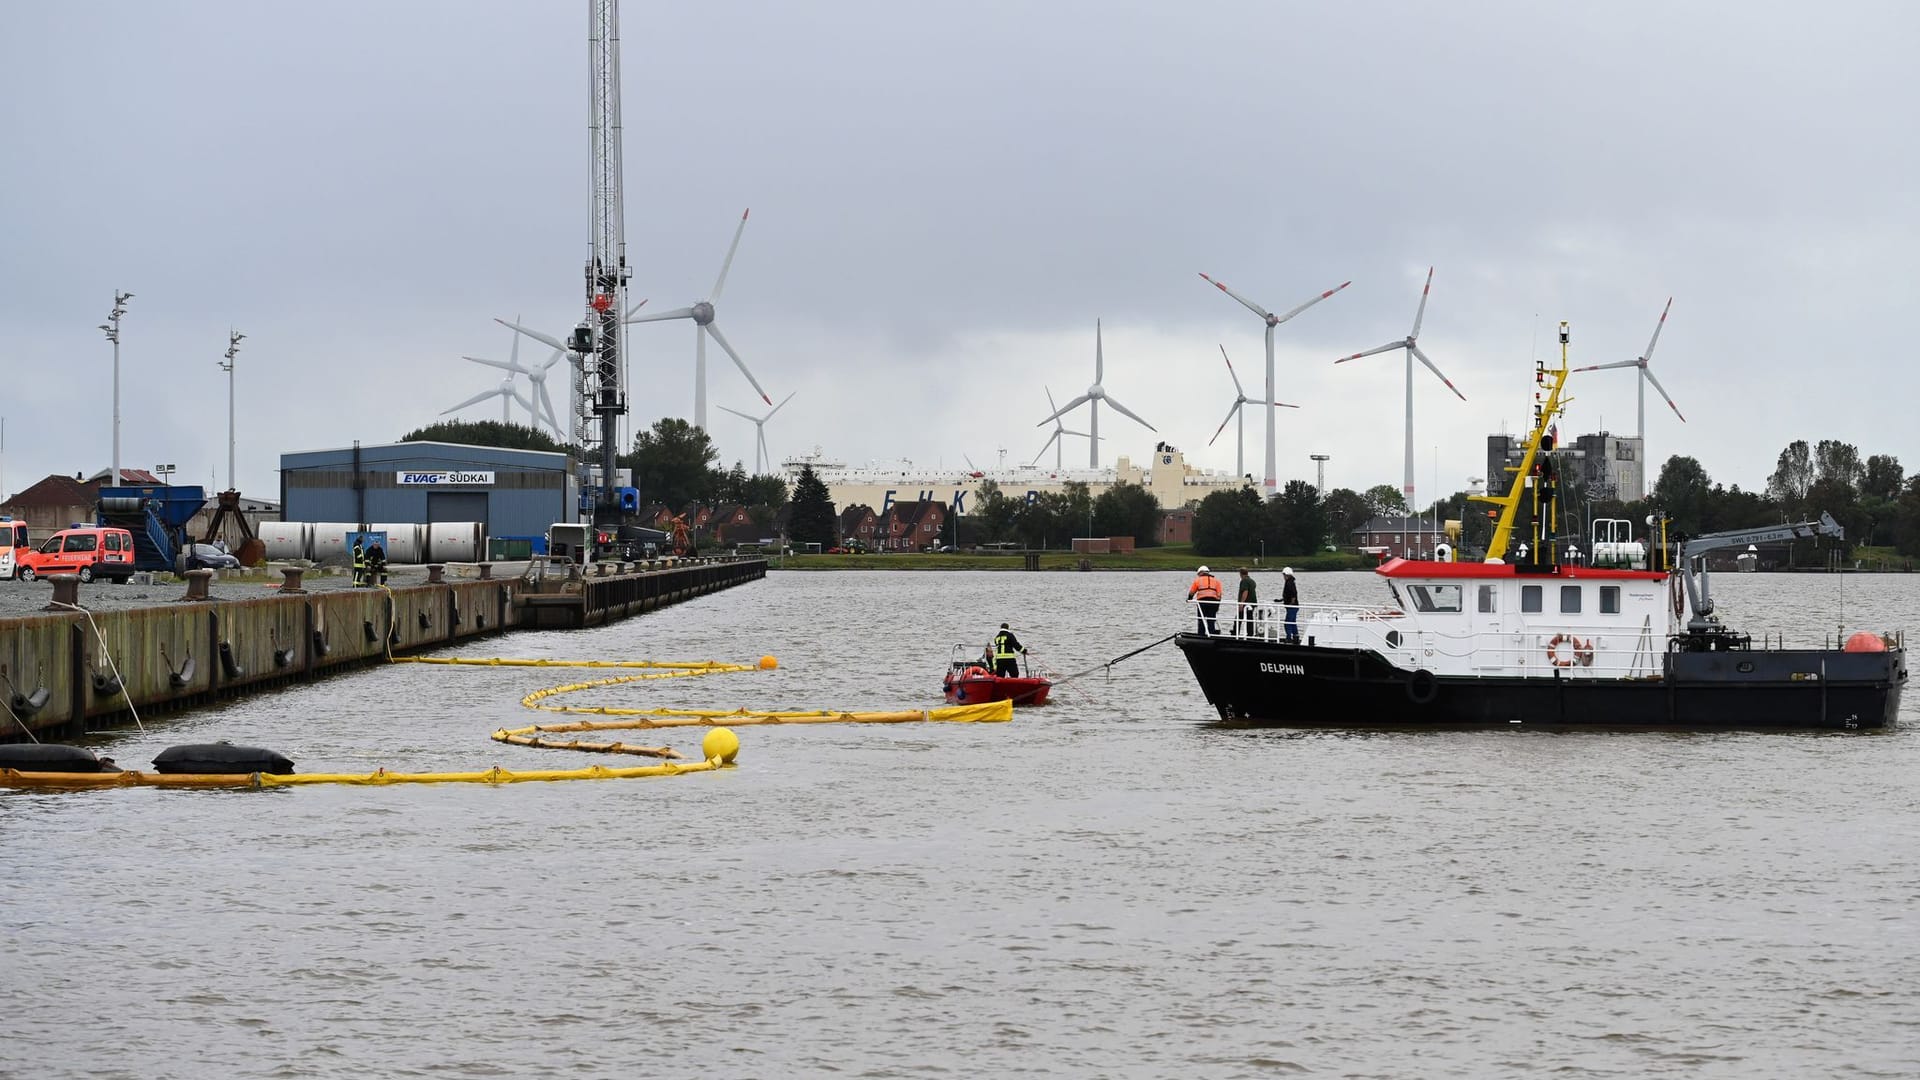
x,y
1627,640
969,681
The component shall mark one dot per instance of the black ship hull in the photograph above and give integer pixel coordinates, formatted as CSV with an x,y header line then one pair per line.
x,y
1278,684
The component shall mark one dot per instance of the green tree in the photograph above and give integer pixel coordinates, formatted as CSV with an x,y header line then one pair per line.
x,y
1049,516
485,433
729,485
1384,499
1792,476
813,520
1297,523
764,491
673,463
1883,477
1128,510
1346,511
1229,522
1838,463
1684,491
997,513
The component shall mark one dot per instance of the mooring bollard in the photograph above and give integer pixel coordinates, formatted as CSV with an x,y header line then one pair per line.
x,y
436,573
486,571
197,582
600,569
66,592
291,585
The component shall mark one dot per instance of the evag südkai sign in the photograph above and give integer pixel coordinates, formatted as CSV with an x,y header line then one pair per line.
x,y
445,478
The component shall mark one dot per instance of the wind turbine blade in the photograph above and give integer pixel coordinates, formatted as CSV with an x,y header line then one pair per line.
x,y
1068,407
1436,372
720,282
1223,424
1124,411
1663,393
714,330
513,357
782,405
1251,306
1236,377
737,413
501,364
1050,403
1279,404
474,400
1099,355
662,316
1373,352
1064,430
546,407
558,355
521,400
628,317
1603,367
544,339
1657,327
1422,312
1311,302
1043,446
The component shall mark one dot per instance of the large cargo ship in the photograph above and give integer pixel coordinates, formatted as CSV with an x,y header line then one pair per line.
x,y
1624,637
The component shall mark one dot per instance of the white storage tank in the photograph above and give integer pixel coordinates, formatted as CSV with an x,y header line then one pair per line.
x,y
329,543
455,541
286,539
403,541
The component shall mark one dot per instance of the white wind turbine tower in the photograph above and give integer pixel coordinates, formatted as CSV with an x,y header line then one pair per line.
x,y
1240,433
581,412
1270,483
1092,398
1647,377
760,456
1411,343
702,313
1054,440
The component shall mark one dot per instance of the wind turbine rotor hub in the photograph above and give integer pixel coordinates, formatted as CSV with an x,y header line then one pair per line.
x,y
703,312
1096,390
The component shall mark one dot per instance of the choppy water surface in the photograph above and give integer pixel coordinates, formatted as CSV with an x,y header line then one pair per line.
x,y
1108,886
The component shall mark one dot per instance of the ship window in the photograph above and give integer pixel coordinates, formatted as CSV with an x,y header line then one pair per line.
x,y
1569,599
1530,598
1609,599
1488,599
1435,597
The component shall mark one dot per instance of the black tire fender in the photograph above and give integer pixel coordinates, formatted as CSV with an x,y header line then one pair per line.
x,y
1422,686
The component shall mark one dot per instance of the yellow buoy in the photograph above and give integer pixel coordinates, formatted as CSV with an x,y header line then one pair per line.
x,y
720,745
768,663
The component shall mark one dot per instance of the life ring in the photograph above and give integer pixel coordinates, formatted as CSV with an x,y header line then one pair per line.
x,y
1567,659
976,672
1679,594
1422,685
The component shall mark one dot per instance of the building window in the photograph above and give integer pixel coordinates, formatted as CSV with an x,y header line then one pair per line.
x,y
1488,601
1530,599
1609,599
1569,599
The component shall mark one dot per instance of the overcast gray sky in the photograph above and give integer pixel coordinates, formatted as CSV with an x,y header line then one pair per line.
x,y
945,197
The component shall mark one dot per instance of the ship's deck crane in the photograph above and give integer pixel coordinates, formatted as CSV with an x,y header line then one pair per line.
x,y
1693,563
597,342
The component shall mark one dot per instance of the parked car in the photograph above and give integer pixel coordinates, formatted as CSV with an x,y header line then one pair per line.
x,y
210,557
13,545
87,551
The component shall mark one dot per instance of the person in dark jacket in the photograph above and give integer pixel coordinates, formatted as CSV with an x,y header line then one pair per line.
x,y
1006,653
1245,599
1290,599
376,566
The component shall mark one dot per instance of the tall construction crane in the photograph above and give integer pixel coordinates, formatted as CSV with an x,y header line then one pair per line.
x,y
597,341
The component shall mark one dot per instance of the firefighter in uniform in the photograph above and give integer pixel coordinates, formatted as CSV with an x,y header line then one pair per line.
x,y
359,563
1006,653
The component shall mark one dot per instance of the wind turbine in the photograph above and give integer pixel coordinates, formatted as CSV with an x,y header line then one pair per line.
x,y
1092,398
582,411
702,313
1411,343
537,376
507,395
1641,363
1270,483
761,457
1240,433
1054,440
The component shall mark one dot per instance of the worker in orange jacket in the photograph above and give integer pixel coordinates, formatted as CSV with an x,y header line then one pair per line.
x,y
1207,590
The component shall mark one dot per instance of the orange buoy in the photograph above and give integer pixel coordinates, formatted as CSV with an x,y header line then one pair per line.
x,y
1866,641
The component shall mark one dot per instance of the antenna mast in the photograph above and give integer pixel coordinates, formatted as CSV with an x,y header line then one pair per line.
x,y
601,394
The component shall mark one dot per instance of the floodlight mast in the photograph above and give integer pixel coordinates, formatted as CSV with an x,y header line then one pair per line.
x,y
607,272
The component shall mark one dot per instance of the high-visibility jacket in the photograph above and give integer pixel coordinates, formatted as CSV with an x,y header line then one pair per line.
x,y
1005,646
1204,587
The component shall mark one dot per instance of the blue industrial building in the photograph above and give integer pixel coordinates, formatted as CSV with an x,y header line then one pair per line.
x,y
512,493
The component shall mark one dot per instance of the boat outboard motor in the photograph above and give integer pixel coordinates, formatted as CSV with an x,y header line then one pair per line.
x,y
48,757
221,758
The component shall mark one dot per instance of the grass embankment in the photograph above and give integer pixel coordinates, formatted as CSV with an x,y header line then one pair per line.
x,y
1159,558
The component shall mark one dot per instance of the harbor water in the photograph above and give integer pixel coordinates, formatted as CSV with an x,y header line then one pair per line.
x,y
1109,886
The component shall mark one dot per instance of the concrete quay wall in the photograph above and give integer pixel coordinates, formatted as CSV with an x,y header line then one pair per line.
x,y
65,673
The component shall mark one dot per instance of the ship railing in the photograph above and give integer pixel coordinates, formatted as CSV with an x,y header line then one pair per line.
x,y
1575,650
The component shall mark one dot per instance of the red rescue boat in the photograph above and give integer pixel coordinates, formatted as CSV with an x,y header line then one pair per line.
x,y
970,681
